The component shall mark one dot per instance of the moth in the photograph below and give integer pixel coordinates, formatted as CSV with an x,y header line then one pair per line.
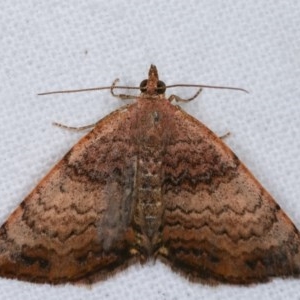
x,y
148,182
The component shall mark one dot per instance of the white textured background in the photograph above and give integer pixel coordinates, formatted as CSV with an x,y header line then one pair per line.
x,y
50,45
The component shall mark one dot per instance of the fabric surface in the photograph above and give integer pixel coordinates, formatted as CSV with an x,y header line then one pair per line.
x,y
55,45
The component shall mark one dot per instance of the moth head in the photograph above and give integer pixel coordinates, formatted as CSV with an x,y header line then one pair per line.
x,y
152,85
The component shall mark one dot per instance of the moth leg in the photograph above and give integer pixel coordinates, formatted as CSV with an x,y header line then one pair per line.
x,y
224,136
178,99
74,128
121,96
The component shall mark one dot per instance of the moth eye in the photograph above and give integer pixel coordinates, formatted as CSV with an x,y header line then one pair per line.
x,y
143,86
161,87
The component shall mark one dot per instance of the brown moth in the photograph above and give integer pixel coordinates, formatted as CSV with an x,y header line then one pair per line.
x,y
149,182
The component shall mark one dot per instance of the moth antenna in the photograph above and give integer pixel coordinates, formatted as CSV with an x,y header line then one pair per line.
x,y
88,90
208,87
